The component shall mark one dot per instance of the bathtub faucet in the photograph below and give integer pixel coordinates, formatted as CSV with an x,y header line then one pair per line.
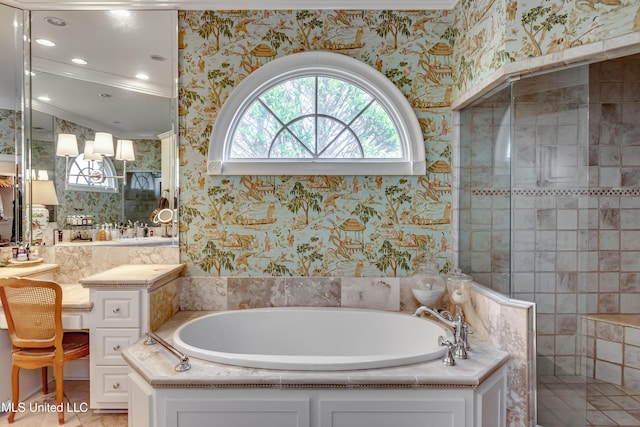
x,y
460,328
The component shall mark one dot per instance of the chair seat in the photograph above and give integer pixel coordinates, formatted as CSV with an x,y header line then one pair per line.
x,y
75,345
33,309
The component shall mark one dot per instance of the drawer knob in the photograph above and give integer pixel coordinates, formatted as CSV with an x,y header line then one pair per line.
x,y
116,347
116,386
116,310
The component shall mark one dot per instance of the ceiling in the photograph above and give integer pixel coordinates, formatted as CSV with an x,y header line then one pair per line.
x,y
104,94
116,50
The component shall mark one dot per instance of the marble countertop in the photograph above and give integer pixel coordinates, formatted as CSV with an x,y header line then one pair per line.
x,y
148,276
26,270
75,297
156,365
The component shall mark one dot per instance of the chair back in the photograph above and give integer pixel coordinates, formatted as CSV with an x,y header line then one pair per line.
x,y
33,309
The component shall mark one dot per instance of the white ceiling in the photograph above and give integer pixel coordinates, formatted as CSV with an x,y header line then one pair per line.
x,y
116,51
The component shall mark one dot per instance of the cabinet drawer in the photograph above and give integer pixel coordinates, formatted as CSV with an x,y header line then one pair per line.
x,y
119,309
109,387
107,345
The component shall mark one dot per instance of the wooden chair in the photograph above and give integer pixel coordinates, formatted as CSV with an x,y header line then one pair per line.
x,y
33,309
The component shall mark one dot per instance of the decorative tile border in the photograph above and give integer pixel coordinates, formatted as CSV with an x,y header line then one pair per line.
x,y
557,192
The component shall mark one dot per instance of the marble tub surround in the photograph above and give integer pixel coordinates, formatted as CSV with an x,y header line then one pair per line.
x,y
233,293
155,364
507,324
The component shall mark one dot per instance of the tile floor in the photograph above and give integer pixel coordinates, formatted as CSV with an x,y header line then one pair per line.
x,y
561,403
77,394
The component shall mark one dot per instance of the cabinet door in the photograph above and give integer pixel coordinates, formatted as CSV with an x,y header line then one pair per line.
x,y
116,309
109,387
392,413
107,345
185,412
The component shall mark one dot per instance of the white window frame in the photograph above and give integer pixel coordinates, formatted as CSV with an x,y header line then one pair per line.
x,y
328,64
108,185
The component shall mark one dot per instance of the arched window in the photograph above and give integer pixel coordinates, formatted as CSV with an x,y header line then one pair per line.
x,y
91,175
316,113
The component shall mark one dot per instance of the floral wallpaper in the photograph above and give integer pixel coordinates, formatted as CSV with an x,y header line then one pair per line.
x,y
105,207
487,34
313,225
10,123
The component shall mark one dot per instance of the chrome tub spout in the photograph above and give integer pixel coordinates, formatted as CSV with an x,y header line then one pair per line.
x,y
441,314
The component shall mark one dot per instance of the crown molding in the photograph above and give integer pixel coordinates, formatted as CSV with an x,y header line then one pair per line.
x,y
227,4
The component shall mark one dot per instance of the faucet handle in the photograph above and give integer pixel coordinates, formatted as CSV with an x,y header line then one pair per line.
x,y
448,357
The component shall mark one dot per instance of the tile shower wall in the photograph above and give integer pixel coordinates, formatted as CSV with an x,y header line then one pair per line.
x,y
575,200
525,204
614,182
550,210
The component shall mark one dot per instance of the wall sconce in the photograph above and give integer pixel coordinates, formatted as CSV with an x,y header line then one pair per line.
x,y
124,152
67,146
96,151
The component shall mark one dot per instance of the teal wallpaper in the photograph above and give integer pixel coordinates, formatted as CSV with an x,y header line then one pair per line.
x,y
487,34
313,225
105,207
10,125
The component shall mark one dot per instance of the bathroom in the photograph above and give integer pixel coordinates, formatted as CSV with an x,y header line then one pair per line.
x,y
270,251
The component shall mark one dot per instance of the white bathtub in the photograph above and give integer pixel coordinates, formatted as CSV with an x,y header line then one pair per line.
x,y
311,338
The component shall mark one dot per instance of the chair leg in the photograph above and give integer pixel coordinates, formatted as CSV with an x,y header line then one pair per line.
x,y
45,385
60,391
15,391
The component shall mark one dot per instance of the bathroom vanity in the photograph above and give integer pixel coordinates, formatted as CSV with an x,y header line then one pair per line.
x,y
428,394
128,300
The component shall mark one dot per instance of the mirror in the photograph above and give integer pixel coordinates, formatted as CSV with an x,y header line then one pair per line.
x,y
102,72
11,66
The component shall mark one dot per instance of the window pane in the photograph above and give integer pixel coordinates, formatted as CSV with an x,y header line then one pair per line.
x,y
91,174
377,133
340,99
254,132
283,123
304,130
335,140
286,146
291,99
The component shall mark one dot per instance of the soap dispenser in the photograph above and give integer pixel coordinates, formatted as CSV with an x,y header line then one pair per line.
x,y
428,286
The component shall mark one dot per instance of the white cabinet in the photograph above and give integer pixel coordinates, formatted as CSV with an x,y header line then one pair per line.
x,y
119,319
484,406
122,299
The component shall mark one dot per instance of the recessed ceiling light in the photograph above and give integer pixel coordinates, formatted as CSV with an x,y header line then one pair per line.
x,y
79,61
44,98
58,22
157,57
45,42
142,76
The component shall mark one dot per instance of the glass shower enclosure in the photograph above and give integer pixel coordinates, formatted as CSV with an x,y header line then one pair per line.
x,y
524,219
